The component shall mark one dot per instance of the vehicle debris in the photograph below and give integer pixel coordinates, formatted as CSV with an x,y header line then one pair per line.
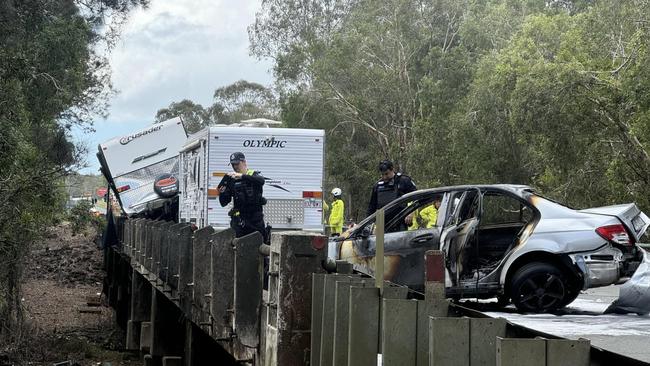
x,y
634,296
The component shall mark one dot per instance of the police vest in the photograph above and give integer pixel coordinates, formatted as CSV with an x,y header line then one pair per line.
x,y
388,191
246,197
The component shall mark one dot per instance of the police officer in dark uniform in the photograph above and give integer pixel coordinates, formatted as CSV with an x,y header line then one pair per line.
x,y
244,188
391,186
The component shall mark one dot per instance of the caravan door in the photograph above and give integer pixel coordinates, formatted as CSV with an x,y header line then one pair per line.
x,y
193,183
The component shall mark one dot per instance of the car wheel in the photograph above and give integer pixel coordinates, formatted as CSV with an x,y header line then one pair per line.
x,y
538,287
570,296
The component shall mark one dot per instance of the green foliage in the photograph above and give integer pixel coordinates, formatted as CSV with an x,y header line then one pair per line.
x,y
233,103
565,117
371,77
296,33
194,116
242,100
51,78
551,94
82,218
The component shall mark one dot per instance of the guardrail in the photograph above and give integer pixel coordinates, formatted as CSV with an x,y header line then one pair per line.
x,y
353,321
197,297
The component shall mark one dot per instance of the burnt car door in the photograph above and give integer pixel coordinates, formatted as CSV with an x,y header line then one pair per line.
x,y
403,249
460,230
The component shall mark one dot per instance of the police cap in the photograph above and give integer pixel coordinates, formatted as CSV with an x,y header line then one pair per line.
x,y
385,165
236,158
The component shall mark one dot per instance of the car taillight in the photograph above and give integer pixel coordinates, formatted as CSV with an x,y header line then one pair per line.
x,y
615,234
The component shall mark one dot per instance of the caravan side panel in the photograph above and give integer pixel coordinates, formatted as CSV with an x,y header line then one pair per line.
x,y
290,159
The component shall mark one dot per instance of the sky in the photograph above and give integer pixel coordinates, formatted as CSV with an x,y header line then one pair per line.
x,y
175,50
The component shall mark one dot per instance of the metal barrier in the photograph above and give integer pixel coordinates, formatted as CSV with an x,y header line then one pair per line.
x,y
180,292
353,323
196,298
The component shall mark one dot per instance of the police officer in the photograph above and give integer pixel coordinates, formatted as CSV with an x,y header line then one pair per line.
x,y
244,188
391,186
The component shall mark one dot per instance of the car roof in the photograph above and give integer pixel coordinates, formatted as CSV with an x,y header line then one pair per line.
x,y
517,189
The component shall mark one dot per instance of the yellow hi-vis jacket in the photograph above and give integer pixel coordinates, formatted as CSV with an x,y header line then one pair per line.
x,y
336,216
424,218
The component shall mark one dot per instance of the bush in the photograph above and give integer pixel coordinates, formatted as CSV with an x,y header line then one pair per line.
x,y
82,218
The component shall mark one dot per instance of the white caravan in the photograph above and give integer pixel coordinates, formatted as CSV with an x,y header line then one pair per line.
x,y
141,167
290,159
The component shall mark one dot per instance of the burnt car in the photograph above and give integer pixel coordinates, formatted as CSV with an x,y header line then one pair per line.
x,y
504,241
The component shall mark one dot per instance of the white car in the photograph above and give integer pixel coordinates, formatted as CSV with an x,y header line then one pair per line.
x,y
504,241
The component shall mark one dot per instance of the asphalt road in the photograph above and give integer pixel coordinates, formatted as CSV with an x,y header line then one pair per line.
x,y
624,334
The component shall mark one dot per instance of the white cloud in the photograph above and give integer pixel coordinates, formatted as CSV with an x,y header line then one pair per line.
x,y
174,50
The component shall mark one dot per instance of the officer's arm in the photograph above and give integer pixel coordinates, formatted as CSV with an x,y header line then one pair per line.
x,y
255,179
225,194
225,197
372,206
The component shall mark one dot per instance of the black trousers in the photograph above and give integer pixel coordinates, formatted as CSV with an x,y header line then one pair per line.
x,y
246,224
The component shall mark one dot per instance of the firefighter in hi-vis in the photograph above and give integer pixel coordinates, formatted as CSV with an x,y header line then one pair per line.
x,y
337,213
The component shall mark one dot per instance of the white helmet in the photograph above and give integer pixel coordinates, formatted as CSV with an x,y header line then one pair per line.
x,y
337,192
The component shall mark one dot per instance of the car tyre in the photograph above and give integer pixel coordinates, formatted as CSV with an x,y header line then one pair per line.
x,y
570,297
538,287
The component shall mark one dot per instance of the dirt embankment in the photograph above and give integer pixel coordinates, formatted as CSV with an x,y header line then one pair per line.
x,y
66,319
66,259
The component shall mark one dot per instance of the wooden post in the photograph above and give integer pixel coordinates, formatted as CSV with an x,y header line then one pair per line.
x,y
379,251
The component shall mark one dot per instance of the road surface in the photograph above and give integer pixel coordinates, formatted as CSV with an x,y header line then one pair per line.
x,y
624,334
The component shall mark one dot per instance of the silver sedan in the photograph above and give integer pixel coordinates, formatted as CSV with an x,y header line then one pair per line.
x,y
505,241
